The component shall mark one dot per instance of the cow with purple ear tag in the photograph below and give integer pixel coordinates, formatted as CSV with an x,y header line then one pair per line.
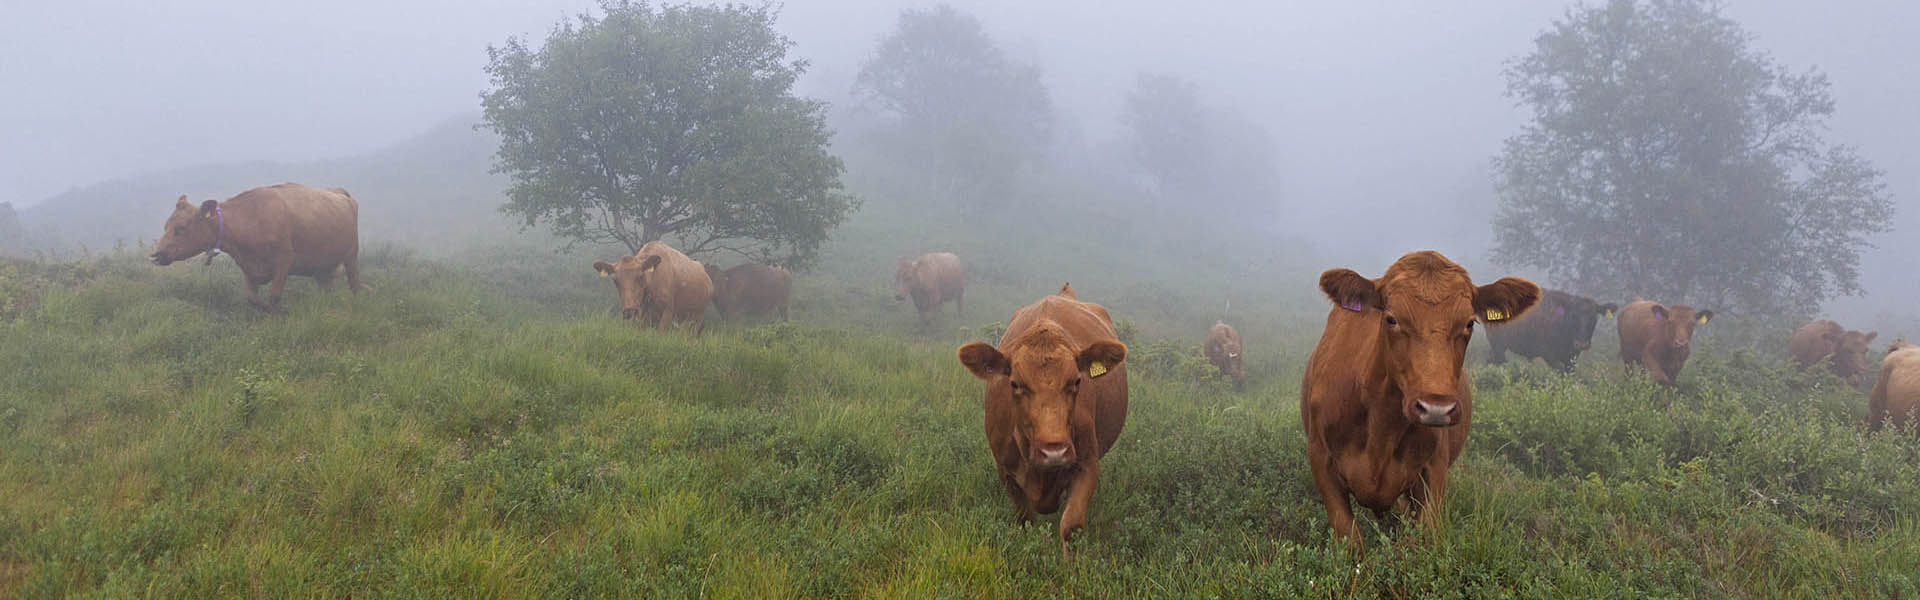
x,y
1659,337
1557,330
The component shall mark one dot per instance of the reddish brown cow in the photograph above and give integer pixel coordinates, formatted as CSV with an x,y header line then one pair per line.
x,y
1223,350
1384,401
931,280
1659,337
271,232
660,285
1896,396
1845,351
750,289
1056,400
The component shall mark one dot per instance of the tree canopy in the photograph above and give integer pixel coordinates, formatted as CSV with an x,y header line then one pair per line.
x,y
1199,156
1666,158
678,122
972,117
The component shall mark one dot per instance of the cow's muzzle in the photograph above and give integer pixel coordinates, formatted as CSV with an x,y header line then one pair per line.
x,y
160,258
1436,412
1053,454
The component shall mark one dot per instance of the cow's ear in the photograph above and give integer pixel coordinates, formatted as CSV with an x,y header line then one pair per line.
x,y
650,263
984,361
208,208
1350,291
1066,289
605,268
1871,335
1100,357
1659,312
1608,309
182,202
1701,318
1504,299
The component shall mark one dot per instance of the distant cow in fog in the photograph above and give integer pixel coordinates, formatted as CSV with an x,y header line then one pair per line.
x,y
931,280
1659,337
1895,399
661,286
751,289
1223,350
1384,402
1845,351
271,232
1557,330
1056,400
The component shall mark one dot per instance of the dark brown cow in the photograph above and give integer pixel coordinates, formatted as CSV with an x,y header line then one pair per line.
x,y
1557,330
660,285
1384,401
1845,351
1659,337
1056,400
1896,396
271,232
1223,350
750,289
931,280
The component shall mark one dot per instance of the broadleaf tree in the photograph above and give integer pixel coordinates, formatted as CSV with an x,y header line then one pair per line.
x,y
676,123
1199,156
1669,159
969,117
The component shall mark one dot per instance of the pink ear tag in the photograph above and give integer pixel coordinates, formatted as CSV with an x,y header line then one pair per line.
x,y
1353,305
1559,311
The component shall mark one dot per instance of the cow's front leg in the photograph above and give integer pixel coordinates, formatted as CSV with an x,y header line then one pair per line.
x,y
1022,508
1079,499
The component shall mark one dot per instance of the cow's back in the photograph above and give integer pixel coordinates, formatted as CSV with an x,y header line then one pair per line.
x,y
1532,333
1811,342
320,226
756,287
1083,323
943,273
1897,394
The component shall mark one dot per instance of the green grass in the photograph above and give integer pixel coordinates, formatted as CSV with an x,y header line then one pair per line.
x,y
489,429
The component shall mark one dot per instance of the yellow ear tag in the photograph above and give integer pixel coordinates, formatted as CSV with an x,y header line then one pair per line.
x,y
603,273
1495,314
649,270
1700,320
1609,314
1096,369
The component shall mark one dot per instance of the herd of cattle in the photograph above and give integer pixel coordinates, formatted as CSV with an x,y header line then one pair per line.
x,y
1384,401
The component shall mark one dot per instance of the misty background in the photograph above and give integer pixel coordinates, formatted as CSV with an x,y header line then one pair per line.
x,y
1384,118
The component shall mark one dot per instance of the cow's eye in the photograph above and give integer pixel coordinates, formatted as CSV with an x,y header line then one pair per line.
x,y
1469,326
1016,386
1392,322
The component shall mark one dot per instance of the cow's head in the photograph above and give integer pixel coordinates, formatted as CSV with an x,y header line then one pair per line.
x,y
1229,348
1575,317
1898,345
1045,377
630,275
1426,306
1677,322
906,280
1850,353
190,231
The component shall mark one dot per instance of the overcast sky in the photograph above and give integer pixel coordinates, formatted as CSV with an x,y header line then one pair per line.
x,y
1374,105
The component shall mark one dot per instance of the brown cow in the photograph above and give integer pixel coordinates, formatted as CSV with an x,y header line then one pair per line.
x,y
750,289
931,280
1659,337
1056,400
1896,397
1384,401
271,232
1223,350
661,285
1845,350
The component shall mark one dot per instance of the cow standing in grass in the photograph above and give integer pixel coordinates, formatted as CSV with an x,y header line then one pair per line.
x,y
272,232
1223,351
1895,400
1056,399
1385,404
1557,330
1659,337
660,286
751,289
931,280
1845,351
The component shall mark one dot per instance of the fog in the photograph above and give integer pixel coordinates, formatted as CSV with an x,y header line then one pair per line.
x,y
1385,115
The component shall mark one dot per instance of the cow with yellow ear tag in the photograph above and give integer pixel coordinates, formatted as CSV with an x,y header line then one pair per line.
x,y
1659,337
1056,399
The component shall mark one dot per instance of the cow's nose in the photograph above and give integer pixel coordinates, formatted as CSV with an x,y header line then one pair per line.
x,y
1055,453
629,312
1437,413
159,259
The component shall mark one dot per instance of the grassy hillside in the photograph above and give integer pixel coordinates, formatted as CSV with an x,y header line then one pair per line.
x,y
486,428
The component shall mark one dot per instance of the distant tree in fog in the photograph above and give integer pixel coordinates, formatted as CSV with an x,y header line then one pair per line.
x,y
678,123
1199,157
966,115
13,234
1667,158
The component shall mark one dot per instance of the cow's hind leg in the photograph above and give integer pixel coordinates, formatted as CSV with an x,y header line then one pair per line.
x,y
352,266
324,279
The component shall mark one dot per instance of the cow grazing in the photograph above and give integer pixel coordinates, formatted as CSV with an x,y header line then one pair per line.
x,y
660,285
1385,403
1659,337
750,289
1895,399
931,280
1557,330
1845,351
1223,350
271,232
1056,400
